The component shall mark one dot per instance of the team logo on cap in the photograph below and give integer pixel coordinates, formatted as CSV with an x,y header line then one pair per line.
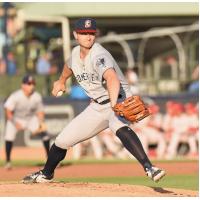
x,y
30,79
88,23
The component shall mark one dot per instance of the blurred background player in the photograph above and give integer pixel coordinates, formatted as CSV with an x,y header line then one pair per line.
x,y
150,131
96,148
182,129
113,145
167,119
192,128
24,111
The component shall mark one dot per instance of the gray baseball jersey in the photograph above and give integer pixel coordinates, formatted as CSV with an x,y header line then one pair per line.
x,y
89,73
96,117
24,109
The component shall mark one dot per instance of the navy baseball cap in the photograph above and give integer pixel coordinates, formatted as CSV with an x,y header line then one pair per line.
x,y
28,79
84,25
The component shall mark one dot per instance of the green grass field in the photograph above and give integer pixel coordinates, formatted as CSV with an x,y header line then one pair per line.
x,y
182,181
21,163
176,181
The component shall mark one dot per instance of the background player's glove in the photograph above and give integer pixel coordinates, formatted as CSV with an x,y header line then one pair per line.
x,y
132,109
42,128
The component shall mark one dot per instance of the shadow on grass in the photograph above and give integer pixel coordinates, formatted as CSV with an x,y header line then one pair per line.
x,y
161,190
164,191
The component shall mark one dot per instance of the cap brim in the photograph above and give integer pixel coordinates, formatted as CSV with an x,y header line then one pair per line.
x,y
29,82
86,31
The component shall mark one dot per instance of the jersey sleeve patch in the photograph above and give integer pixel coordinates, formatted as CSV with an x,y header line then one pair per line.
x,y
101,62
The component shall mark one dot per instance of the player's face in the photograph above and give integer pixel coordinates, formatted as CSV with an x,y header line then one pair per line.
x,y
85,40
28,88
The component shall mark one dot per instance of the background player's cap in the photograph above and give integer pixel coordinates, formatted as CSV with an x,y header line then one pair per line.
x,y
28,79
84,25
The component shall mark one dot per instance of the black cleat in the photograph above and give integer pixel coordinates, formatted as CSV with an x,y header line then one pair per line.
x,y
37,177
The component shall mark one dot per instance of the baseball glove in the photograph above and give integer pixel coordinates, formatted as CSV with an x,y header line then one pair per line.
x,y
132,109
42,128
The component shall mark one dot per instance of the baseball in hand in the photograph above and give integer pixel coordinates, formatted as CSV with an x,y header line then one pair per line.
x,y
60,93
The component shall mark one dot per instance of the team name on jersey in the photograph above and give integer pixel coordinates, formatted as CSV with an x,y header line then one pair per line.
x,y
86,76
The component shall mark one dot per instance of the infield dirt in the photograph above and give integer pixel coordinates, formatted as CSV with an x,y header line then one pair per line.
x,y
10,181
89,190
10,185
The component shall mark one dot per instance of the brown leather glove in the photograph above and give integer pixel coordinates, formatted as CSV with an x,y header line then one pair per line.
x,y
132,109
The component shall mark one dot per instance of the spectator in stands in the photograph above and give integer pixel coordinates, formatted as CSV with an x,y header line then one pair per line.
x,y
2,66
194,86
43,65
11,64
2,40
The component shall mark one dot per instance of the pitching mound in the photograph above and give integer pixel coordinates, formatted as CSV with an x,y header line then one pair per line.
x,y
88,190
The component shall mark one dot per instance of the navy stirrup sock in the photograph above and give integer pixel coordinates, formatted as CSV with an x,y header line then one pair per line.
x,y
132,143
56,154
9,145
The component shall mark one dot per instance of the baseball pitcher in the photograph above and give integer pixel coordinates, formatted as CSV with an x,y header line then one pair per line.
x,y
112,103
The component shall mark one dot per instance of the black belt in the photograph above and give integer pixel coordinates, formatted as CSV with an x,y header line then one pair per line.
x,y
105,101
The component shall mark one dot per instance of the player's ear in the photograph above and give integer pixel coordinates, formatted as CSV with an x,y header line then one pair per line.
x,y
75,34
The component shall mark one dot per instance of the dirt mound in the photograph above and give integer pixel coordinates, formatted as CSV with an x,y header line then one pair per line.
x,y
10,186
88,190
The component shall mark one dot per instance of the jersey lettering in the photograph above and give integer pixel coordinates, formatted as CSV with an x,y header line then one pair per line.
x,y
86,76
